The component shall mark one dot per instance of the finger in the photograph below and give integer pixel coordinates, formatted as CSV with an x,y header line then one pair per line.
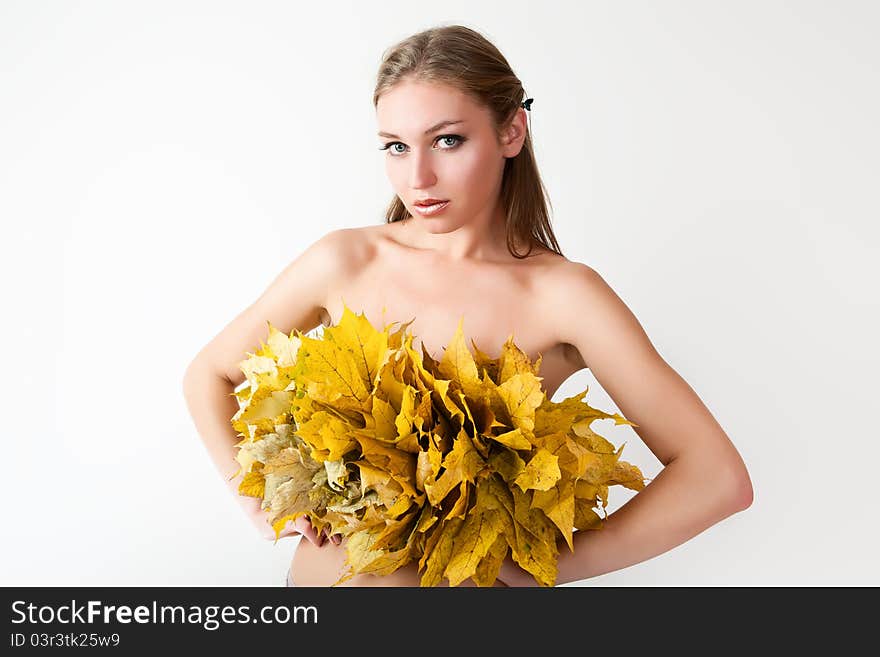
x,y
312,536
307,530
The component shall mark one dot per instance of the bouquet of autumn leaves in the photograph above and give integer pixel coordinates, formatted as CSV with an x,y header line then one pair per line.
x,y
454,463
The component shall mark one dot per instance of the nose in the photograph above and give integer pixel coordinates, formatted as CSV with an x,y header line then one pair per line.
x,y
421,175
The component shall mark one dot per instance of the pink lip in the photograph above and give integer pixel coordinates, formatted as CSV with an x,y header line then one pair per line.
x,y
430,201
431,211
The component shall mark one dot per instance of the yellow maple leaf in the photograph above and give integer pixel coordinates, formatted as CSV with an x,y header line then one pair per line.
x,y
253,483
457,364
461,464
541,472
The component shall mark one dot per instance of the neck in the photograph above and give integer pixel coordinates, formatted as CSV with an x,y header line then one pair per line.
x,y
483,237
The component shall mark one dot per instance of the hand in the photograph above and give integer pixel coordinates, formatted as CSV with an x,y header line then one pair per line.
x,y
253,508
303,526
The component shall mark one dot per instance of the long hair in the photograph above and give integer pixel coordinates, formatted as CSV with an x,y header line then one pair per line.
x,y
462,58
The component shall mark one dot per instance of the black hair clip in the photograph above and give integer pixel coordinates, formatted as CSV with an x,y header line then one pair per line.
x,y
527,103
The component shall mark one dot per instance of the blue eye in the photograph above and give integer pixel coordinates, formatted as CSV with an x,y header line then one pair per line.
x,y
458,138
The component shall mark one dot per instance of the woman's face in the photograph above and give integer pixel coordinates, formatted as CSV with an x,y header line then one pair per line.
x,y
461,162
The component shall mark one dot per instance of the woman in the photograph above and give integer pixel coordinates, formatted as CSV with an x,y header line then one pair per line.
x,y
468,234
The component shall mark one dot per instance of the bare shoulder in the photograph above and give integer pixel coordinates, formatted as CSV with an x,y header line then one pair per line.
x,y
590,313
566,272
572,279
561,278
351,249
323,263
347,249
294,299
344,252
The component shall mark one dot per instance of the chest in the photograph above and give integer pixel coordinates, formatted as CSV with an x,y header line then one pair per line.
x,y
492,305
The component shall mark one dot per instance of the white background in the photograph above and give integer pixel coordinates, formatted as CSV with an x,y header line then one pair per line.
x,y
161,162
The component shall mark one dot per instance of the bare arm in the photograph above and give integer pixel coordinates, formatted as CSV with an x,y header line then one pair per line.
x,y
295,299
211,406
704,479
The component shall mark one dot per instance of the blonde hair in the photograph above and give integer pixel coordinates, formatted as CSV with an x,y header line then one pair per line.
x,y
460,57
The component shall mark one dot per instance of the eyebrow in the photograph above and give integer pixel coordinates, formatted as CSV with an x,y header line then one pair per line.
x,y
434,128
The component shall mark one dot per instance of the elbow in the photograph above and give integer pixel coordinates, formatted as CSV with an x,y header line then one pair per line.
x,y
188,378
192,377
198,374
742,494
727,478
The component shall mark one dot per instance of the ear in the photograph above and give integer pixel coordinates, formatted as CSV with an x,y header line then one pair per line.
x,y
514,135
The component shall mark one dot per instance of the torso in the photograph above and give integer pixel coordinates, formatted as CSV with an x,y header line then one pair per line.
x,y
495,300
